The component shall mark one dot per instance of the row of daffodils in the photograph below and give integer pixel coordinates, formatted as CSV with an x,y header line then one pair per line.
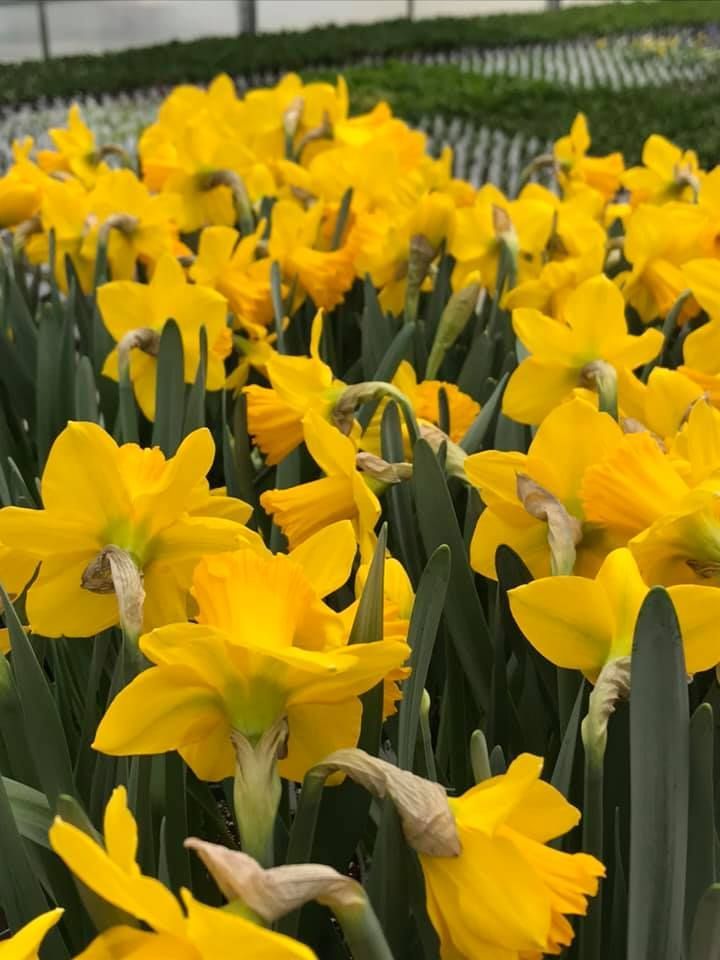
x,y
250,226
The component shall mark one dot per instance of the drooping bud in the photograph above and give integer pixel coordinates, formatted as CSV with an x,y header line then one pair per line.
x,y
611,686
381,470
273,893
256,790
455,456
454,319
425,815
564,530
114,571
600,376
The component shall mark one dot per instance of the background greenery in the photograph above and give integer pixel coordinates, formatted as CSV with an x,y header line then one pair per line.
x,y
685,112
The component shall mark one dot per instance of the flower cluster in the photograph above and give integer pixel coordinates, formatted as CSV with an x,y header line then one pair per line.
x,y
315,358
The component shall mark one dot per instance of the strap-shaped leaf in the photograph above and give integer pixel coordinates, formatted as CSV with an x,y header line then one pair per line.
x,y
424,623
45,734
701,818
659,770
463,612
170,391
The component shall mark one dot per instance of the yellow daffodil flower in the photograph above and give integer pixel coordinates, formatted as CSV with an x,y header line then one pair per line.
x,y
661,405
64,210
582,624
631,487
431,217
667,173
568,442
700,347
226,262
325,275
196,933
256,655
19,199
25,944
695,448
198,150
658,241
75,150
570,152
143,226
593,329
573,250
97,494
342,494
526,887
126,306
297,385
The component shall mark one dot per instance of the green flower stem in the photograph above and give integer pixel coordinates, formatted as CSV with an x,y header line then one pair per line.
x,y
363,932
302,834
592,843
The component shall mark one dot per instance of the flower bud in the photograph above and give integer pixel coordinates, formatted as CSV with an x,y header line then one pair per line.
x,y
454,319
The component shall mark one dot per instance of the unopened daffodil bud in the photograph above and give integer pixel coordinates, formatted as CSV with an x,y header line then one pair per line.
x,y
453,320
